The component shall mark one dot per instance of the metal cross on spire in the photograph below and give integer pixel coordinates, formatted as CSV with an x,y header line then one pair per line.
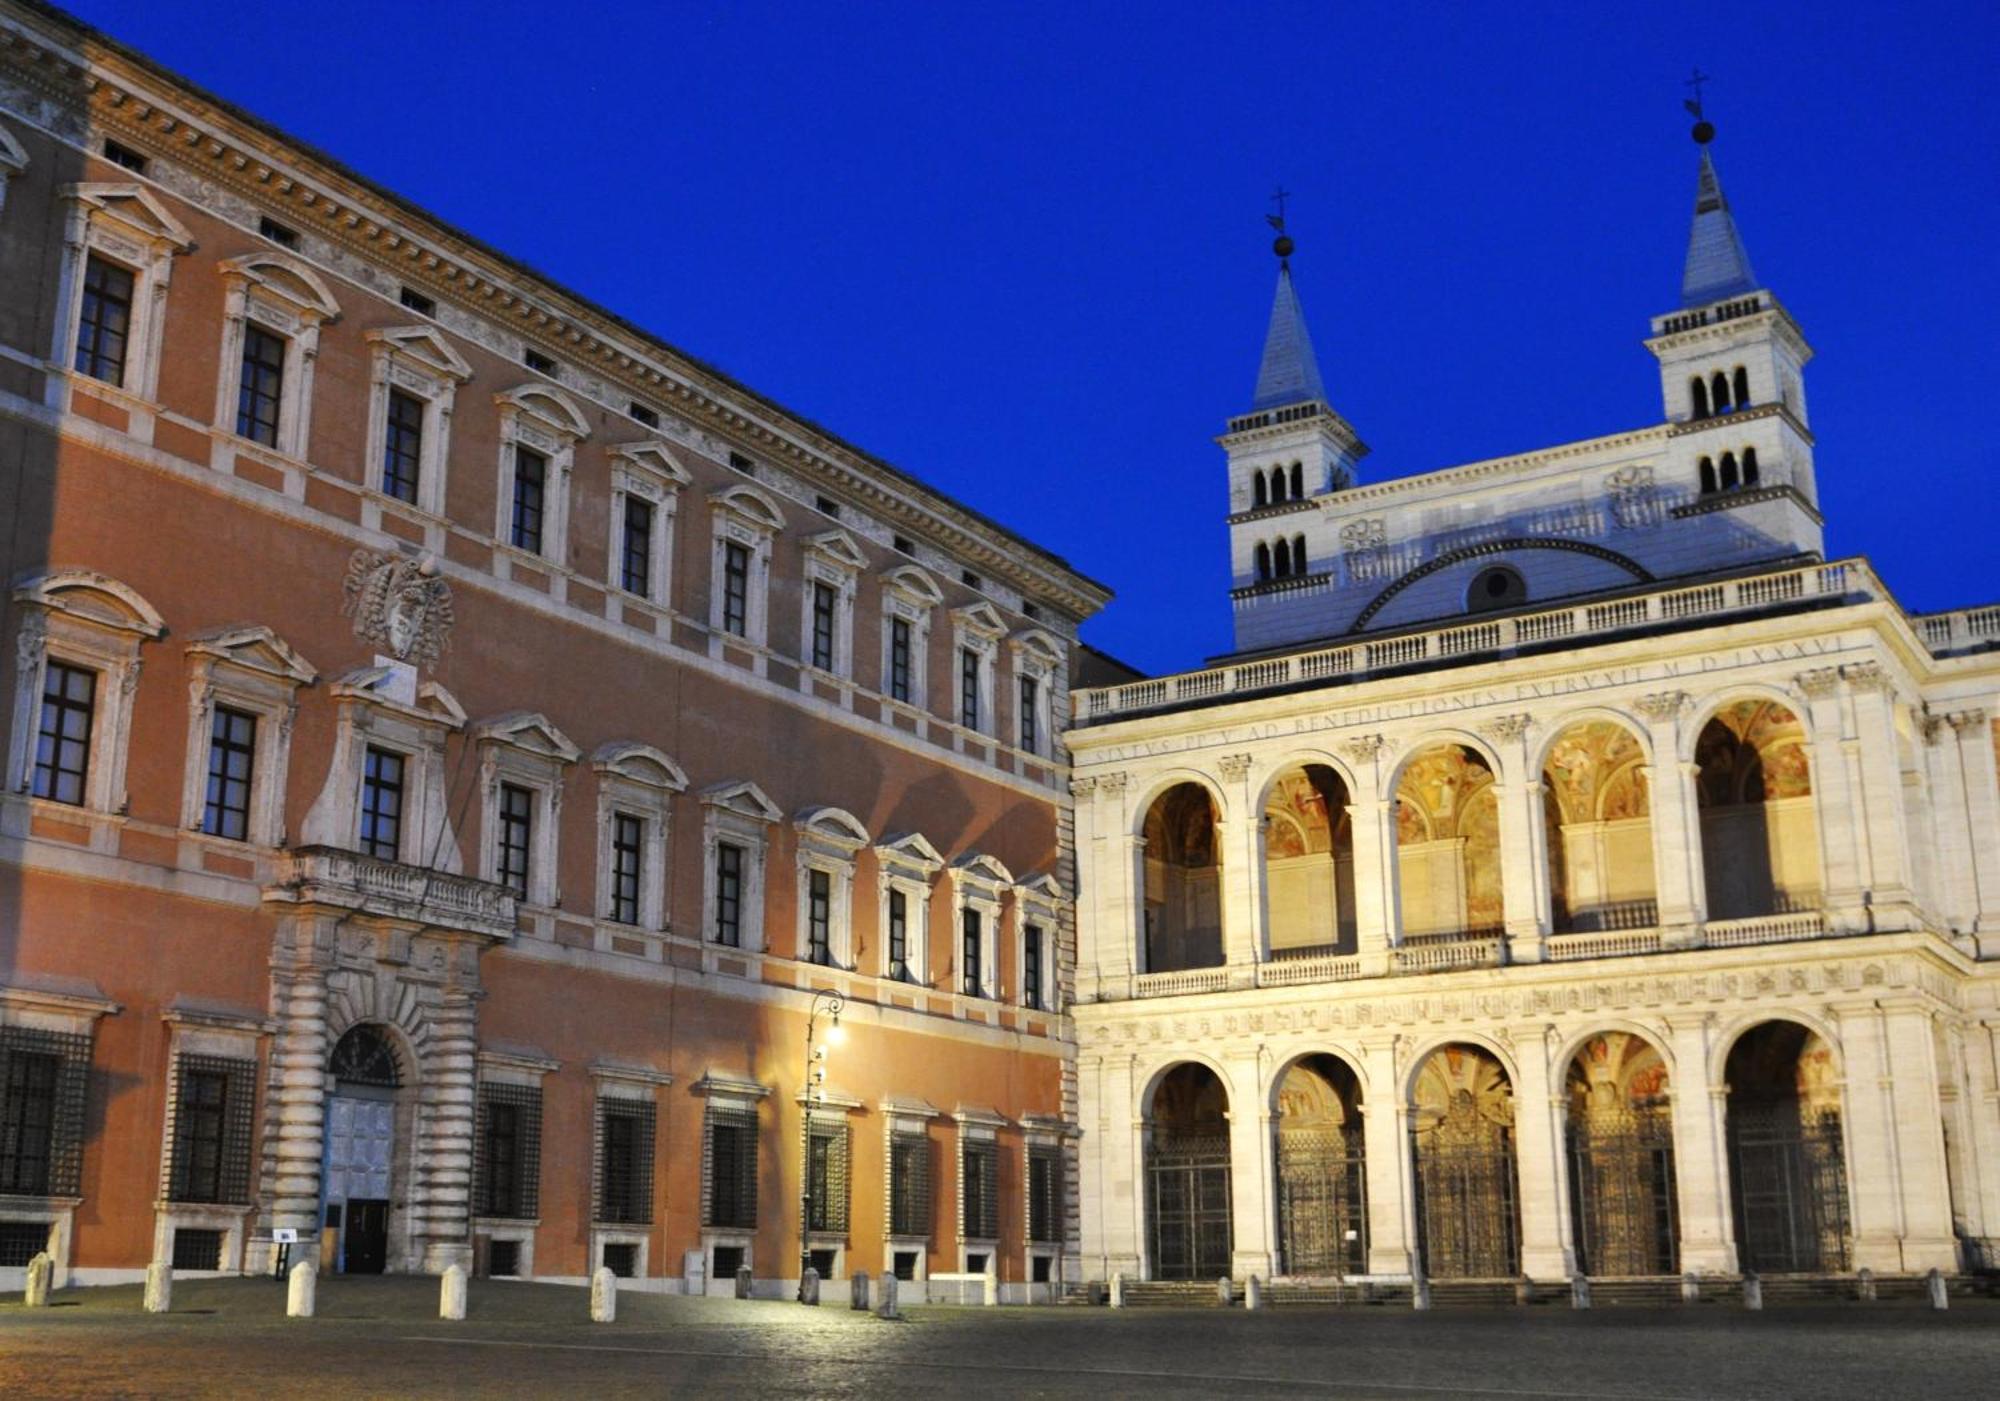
x,y
1278,197
1693,104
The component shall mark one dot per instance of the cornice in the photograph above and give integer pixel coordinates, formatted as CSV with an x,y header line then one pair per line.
x,y
1492,466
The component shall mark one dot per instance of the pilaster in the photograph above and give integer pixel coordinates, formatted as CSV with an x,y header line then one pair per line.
x,y
1547,1251
1252,1170
1112,1197
1524,864
1385,1141
295,1117
1242,845
1891,896
1898,1194
443,1178
1835,787
1377,903
1678,879
1972,731
1701,1154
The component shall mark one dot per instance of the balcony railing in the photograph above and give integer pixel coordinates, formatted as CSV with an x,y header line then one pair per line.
x,y
1962,630
329,875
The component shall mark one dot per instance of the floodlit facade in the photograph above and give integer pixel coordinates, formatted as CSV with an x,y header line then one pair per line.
x,y
454,742
1571,872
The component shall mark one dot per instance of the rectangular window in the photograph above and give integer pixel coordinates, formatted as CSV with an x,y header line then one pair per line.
x,y
972,948
213,1107
507,1152
819,917
625,1161
824,599
1045,1194
535,360
62,747
402,446
826,1177
382,804
628,857
517,818
729,894
531,475
120,154
979,1165
899,659
1031,965
729,1169
197,1249
105,324
641,414
281,234
261,385
1031,738
899,936
416,301
909,1185
968,688
28,1081
635,565
232,753
735,588
500,1165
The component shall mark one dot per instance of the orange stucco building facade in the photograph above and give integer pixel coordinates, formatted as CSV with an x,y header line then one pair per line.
x,y
456,743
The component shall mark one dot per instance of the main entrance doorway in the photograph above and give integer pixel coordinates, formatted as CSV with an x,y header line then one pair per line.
x,y
1187,1176
1468,1226
1787,1162
1322,1197
360,1149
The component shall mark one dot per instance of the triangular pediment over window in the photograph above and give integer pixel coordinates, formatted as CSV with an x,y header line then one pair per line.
x,y
137,208
742,796
553,407
838,547
526,730
425,346
654,458
255,648
910,848
980,618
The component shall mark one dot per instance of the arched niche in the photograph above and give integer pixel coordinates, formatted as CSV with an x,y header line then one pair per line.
x,y
1182,906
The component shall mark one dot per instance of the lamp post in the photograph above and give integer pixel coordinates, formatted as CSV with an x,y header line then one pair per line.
x,y
831,1002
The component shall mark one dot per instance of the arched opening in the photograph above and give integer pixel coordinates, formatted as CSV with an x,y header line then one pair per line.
x,y
1749,466
1263,562
1729,477
1187,1175
1260,494
1448,846
1698,393
1298,480
366,1114
1462,1127
1183,914
1298,554
1759,837
1600,830
1621,1158
1742,387
1277,486
1718,392
1308,863
1787,1167
1708,476
1281,554
1322,1185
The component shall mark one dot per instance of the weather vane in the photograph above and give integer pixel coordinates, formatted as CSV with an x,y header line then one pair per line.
x,y
1282,245
1704,130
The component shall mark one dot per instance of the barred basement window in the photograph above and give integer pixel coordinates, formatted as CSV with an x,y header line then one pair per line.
x,y
979,1189
624,1162
105,323
621,1258
729,1168
44,1077
197,1249
282,235
22,1241
909,1185
1045,1195
826,1158
214,1108
507,1155
503,1258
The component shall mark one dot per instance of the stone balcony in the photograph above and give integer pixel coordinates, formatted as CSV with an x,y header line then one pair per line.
x,y
348,880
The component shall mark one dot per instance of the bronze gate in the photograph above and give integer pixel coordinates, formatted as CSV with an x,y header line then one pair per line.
x,y
1621,1167
1468,1226
1790,1185
1187,1207
1322,1202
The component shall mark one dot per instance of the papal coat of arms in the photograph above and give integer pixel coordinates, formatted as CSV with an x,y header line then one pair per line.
x,y
399,604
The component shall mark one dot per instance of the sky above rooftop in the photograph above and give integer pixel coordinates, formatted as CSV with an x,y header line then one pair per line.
x,y
1020,251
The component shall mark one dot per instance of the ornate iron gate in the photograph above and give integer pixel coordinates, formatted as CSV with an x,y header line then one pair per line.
x,y
1187,1207
1621,1173
1790,1184
1322,1202
1468,1226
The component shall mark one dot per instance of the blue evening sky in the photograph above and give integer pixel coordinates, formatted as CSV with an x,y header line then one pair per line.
x,y
1019,250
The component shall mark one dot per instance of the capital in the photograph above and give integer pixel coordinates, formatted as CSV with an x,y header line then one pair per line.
x,y
1234,767
1967,722
1364,749
1113,782
1818,683
1866,676
1083,786
1659,707
1506,727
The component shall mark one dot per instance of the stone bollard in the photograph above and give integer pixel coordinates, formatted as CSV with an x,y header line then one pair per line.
x,y
1934,1286
1864,1286
1579,1292
604,1296
858,1288
743,1281
1118,1291
41,1273
451,1293
303,1285
990,1290
1225,1291
1690,1288
809,1287
159,1287
1753,1292
1420,1293
887,1308
1253,1293
1524,1291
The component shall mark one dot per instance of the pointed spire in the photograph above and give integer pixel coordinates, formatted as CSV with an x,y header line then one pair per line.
x,y
1289,374
1717,267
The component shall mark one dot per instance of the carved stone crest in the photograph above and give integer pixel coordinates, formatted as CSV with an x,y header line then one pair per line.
x,y
1634,499
399,604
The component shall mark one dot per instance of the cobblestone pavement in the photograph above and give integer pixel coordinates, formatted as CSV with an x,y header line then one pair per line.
x,y
382,1338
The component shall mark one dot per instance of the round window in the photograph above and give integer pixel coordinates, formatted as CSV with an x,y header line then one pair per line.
x,y
1497,586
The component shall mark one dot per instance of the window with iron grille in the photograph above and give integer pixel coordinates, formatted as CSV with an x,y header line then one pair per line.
x,y
621,1257
196,1248
635,569
1030,696
824,599
735,588
232,753
62,747
968,688
624,1161
826,1167
1031,965
531,475
1045,1194
819,917
517,816
503,1258
972,945
106,321
729,1167
728,894
261,385
382,804
979,1189
628,858
214,1108
402,445
43,1080
899,935
22,1241
899,659
507,1153
909,1185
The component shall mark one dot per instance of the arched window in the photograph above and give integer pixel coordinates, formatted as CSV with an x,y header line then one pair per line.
x,y
1749,466
1298,554
1698,392
1283,557
1729,478
1263,561
1298,481
365,1057
1259,493
1277,485
1742,388
1708,476
1718,392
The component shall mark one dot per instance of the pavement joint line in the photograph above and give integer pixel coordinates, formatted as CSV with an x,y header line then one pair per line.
x,y
1314,1383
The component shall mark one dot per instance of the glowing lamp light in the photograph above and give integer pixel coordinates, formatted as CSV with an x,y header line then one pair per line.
x,y
836,1034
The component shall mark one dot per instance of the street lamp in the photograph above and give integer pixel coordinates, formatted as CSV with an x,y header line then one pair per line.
x,y
831,1002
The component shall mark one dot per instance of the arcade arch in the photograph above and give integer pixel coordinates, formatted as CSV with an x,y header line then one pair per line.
x,y
1322,1180
1188,1230
1621,1157
1467,1186
1787,1156
1759,835
1182,909
1597,812
1448,844
1308,853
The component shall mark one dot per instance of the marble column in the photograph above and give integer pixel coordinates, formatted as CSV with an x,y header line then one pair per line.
x,y
1377,901
1241,843
1678,880
1701,1149
1547,1252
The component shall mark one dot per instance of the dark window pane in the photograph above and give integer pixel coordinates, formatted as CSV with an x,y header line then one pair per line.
x,y
232,753
62,744
735,589
636,563
824,600
28,1082
899,935
972,945
819,917
729,894
899,659
627,862
105,323
261,385
403,446
1031,965
1030,721
382,804
531,472
517,816
968,688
